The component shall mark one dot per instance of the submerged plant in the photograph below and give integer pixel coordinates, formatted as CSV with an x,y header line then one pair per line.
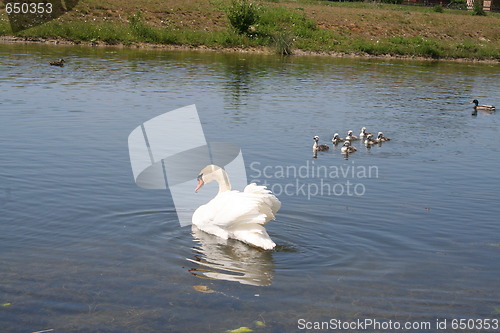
x,y
242,329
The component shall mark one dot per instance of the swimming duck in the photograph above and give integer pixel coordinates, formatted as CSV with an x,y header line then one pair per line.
x,y
382,138
482,107
59,63
317,147
369,141
363,133
336,139
350,136
347,148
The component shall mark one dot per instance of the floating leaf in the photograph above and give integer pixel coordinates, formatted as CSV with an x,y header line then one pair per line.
x,y
260,323
203,289
6,304
240,330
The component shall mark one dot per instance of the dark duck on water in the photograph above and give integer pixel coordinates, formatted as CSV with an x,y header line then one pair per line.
x,y
59,63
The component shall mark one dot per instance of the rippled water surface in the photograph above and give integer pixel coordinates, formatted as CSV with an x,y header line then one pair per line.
x,y
406,231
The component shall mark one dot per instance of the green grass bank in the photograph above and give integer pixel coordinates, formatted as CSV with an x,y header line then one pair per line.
x,y
283,27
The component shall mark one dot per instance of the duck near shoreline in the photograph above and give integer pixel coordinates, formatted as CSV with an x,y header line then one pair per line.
x,y
59,63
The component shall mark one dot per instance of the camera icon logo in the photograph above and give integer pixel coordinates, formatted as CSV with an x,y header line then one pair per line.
x,y
167,153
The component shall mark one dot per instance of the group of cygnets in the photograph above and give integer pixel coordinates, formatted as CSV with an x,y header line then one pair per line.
x,y
347,148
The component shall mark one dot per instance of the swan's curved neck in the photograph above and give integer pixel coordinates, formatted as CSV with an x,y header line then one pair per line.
x,y
220,176
223,181
212,173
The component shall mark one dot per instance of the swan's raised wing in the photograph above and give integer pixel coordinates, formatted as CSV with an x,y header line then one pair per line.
x,y
240,215
255,205
266,197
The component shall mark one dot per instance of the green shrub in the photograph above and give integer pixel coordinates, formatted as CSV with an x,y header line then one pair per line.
x,y
438,9
242,15
478,8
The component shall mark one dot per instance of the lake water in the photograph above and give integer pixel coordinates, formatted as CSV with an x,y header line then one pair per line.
x,y
412,236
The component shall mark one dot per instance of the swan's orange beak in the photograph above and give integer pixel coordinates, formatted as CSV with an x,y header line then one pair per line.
x,y
200,183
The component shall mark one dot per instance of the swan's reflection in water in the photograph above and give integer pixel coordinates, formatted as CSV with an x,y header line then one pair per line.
x,y
231,260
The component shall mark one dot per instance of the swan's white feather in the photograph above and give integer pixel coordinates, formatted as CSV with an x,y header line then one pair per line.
x,y
240,215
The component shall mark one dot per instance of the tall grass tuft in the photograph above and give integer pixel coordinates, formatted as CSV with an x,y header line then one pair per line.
x,y
282,41
142,29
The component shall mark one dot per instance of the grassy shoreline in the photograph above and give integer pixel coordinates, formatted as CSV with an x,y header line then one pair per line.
x,y
298,27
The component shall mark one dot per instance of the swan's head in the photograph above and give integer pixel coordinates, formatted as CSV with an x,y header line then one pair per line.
x,y
475,102
201,182
209,173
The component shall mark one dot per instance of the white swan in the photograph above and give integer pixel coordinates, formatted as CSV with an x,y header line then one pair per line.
x,y
235,214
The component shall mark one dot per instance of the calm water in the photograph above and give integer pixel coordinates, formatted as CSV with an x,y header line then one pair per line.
x,y
84,249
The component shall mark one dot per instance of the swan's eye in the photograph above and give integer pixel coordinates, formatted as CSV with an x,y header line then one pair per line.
x,y
200,177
